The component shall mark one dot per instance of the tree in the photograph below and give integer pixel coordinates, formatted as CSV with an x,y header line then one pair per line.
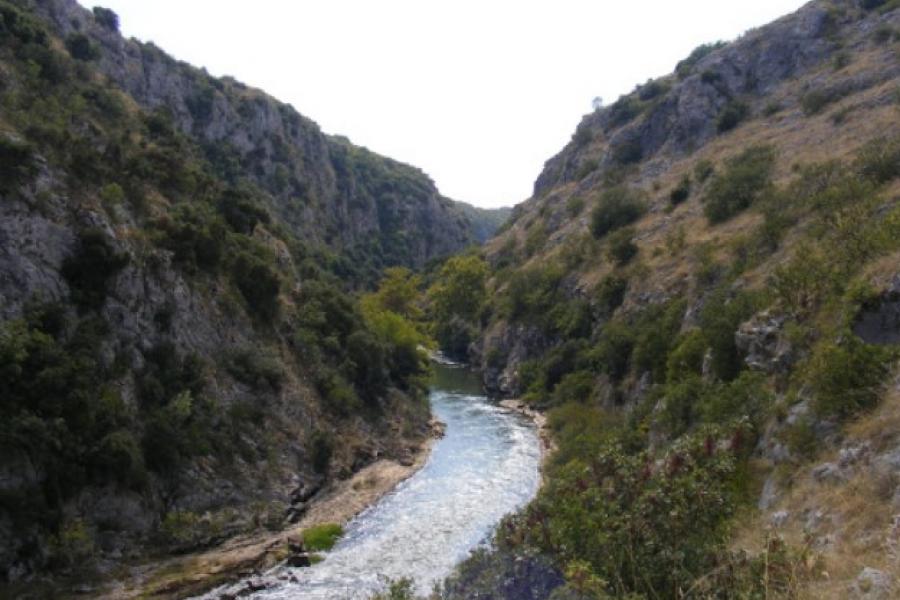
x,y
456,302
106,18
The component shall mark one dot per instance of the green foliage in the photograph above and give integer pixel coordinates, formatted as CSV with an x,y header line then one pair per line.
x,y
623,110
703,170
322,538
456,302
259,368
746,178
642,529
106,18
17,164
719,319
879,160
610,293
628,151
400,589
814,101
241,210
574,206
321,451
616,208
686,358
621,247
258,283
686,66
81,47
732,115
846,377
656,332
89,270
195,235
681,192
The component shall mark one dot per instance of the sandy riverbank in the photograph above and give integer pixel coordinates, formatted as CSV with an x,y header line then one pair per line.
x,y
243,556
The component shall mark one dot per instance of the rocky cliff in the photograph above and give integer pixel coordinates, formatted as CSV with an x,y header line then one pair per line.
x,y
366,207
180,358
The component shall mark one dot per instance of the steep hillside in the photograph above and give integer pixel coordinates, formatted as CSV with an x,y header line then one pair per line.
x,y
180,360
371,210
702,295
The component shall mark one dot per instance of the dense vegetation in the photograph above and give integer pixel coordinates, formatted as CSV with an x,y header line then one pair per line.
x,y
641,502
81,407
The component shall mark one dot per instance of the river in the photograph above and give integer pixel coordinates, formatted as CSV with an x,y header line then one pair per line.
x,y
487,465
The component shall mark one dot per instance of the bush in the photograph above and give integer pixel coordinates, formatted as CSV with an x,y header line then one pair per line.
x,y
195,235
321,451
846,378
815,101
624,110
106,18
242,211
621,247
746,178
610,294
258,283
732,115
681,192
686,66
719,320
258,368
574,206
879,160
703,170
81,47
322,538
616,208
16,163
89,270
628,151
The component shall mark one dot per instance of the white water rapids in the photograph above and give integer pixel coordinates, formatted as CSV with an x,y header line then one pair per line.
x,y
486,466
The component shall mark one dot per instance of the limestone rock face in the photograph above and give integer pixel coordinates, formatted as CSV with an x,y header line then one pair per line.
x,y
325,188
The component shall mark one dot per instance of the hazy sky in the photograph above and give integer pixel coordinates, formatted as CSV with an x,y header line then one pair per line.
x,y
478,93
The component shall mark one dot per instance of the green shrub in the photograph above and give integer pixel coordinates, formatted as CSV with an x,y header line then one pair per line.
x,y
586,168
879,160
815,101
654,88
621,247
719,320
242,211
746,178
731,116
682,191
628,151
703,170
624,110
612,354
321,451
322,538
16,163
574,206
195,235
89,270
772,108
81,47
686,66
610,294
686,358
257,367
847,378
258,283
616,208
106,18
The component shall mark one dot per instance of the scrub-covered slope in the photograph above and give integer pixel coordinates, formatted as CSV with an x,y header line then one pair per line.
x,y
702,294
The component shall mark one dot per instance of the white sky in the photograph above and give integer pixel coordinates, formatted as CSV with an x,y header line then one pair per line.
x,y
476,93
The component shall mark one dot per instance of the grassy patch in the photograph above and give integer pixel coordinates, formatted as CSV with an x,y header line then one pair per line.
x,y
322,538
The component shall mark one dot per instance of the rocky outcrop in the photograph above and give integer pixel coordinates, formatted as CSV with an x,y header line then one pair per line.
x,y
677,115
763,345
